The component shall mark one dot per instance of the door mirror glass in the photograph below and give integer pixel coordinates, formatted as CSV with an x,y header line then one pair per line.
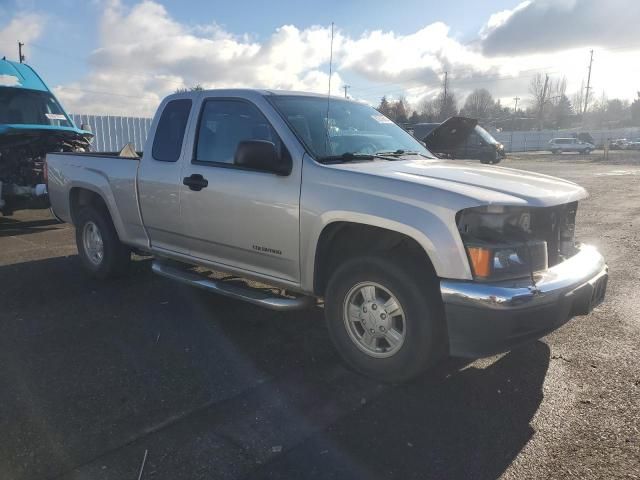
x,y
262,155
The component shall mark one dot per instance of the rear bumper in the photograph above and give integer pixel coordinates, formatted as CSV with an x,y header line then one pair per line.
x,y
488,318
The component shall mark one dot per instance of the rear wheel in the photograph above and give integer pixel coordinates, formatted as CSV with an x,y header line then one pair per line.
x,y
383,320
99,247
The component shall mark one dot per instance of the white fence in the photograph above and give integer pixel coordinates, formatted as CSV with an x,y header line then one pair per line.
x,y
112,133
538,140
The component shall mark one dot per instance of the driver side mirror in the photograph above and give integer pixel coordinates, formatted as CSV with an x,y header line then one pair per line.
x,y
262,155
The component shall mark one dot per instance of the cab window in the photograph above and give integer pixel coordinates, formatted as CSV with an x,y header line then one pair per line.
x,y
224,124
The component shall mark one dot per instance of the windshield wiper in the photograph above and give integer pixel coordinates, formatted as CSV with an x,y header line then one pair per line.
x,y
351,157
400,152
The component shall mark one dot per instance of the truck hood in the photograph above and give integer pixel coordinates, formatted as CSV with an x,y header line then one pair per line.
x,y
486,184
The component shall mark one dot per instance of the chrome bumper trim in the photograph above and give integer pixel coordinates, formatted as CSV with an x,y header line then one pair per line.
x,y
586,266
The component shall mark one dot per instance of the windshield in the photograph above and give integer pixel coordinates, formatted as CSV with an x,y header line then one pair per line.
x,y
486,136
352,128
30,107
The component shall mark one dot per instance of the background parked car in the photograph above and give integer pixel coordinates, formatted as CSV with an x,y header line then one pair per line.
x,y
633,144
559,145
459,137
619,144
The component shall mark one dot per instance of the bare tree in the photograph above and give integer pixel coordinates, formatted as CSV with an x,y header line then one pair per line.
x,y
577,99
539,90
479,104
401,110
558,88
384,107
429,109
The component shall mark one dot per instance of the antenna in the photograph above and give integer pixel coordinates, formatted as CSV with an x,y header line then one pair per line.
x,y
326,145
20,55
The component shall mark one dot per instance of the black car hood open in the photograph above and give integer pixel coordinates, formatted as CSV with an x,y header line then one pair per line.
x,y
450,134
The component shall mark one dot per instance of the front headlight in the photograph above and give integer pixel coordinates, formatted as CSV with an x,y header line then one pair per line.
x,y
501,262
499,242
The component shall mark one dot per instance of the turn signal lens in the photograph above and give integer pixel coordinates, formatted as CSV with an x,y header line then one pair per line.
x,y
480,259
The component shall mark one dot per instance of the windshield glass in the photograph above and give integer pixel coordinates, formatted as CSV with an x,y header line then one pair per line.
x,y
30,107
486,136
352,127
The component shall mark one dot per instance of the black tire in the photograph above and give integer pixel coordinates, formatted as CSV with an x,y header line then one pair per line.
x,y
425,335
587,151
555,152
116,256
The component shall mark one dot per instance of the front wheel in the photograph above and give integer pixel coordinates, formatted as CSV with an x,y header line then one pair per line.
x,y
99,247
383,319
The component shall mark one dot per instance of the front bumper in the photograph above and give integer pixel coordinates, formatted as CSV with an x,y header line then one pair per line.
x,y
488,318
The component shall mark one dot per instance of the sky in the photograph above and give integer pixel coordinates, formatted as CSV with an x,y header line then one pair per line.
x,y
121,57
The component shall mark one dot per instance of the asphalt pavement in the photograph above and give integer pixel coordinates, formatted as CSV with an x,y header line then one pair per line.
x,y
105,379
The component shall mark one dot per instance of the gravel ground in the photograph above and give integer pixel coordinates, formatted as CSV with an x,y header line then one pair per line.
x,y
94,374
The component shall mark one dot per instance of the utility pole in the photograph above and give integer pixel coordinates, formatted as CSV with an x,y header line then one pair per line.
x,y
20,55
444,96
446,81
586,95
345,90
515,109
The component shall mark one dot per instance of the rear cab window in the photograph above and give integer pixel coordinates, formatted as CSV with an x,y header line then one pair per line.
x,y
167,142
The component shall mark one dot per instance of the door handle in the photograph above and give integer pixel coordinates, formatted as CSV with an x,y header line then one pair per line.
x,y
195,182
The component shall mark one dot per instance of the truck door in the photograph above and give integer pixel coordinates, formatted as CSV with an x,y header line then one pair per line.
x,y
159,177
234,216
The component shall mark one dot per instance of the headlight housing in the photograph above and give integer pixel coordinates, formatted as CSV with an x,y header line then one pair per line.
x,y
506,261
500,244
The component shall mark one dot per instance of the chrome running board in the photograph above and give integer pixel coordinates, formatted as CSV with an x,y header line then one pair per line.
x,y
223,287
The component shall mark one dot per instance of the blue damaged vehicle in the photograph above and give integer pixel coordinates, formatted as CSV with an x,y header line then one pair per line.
x,y
32,123
414,257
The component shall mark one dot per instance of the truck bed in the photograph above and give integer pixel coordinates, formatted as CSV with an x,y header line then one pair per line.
x,y
112,176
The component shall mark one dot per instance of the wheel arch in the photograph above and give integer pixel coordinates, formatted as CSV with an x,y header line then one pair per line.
x,y
337,242
81,195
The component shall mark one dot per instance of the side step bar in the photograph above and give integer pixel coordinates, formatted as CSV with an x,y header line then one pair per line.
x,y
246,293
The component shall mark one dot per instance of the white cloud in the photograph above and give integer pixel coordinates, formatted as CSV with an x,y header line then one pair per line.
x,y
24,27
144,54
552,25
498,19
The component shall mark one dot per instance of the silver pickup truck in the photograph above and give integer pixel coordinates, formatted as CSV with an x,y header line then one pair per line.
x,y
324,199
